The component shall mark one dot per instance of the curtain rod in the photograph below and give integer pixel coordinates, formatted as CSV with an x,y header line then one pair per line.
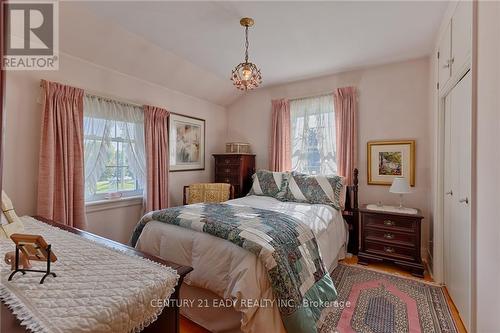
x,y
111,99
311,96
108,98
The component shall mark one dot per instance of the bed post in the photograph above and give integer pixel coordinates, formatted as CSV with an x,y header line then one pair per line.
x,y
351,213
355,214
355,189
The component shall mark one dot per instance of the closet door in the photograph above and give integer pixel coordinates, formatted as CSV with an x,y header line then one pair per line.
x,y
449,184
461,36
444,61
457,182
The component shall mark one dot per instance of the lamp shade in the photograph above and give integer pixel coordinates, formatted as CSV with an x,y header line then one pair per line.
x,y
400,185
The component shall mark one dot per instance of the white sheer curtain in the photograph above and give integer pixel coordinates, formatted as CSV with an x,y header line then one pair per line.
x,y
102,118
313,135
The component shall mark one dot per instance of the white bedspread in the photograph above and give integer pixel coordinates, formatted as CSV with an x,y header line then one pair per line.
x,y
97,289
233,273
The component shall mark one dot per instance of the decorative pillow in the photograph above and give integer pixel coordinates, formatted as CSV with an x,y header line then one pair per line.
x,y
315,189
268,183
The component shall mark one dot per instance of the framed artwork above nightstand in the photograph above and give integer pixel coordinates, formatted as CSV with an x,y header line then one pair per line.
x,y
391,236
390,159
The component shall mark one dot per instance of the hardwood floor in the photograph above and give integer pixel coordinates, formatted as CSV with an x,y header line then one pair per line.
x,y
188,326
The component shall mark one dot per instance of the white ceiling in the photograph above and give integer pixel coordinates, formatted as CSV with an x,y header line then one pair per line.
x,y
192,47
290,40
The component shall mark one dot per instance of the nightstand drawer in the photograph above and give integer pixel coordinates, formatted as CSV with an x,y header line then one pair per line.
x,y
389,222
390,250
390,236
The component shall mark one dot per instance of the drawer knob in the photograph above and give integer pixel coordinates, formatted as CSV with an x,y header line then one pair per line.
x,y
389,223
389,236
226,180
388,249
228,170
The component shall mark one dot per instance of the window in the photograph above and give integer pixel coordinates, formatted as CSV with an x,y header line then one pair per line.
x,y
313,135
114,149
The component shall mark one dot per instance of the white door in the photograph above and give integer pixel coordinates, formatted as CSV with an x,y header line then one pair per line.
x,y
457,187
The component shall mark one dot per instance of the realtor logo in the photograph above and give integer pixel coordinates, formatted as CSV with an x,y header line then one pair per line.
x,y
32,38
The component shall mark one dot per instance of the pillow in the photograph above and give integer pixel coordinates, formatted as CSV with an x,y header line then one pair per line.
x,y
268,183
8,209
343,195
10,222
315,189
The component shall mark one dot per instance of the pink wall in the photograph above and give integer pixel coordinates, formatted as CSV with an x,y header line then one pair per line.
x,y
393,104
22,134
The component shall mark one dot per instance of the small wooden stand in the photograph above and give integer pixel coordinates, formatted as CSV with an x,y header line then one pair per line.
x,y
47,272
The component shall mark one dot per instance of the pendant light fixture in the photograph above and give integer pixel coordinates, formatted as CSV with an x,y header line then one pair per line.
x,y
246,76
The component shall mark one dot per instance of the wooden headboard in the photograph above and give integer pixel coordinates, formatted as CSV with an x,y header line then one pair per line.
x,y
351,213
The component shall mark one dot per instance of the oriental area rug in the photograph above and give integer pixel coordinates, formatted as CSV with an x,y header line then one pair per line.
x,y
376,302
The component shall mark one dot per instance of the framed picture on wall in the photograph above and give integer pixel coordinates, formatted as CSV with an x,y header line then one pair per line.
x,y
390,159
187,143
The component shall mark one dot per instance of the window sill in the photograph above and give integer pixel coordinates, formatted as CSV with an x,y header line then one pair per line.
x,y
96,206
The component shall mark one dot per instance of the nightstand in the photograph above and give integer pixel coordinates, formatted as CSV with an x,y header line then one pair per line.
x,y
392,237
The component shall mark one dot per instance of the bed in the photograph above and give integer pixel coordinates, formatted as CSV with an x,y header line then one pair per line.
x,y
224,272
167,322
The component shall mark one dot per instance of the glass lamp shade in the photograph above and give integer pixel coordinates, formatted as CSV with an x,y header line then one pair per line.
x,y
246,73
400,185
246,76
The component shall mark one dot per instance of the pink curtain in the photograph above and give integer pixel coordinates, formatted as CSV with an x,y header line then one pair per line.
x,y
61,170
345,124
280,154
157,157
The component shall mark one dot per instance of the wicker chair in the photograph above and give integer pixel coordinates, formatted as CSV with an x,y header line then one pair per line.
x,y
207,192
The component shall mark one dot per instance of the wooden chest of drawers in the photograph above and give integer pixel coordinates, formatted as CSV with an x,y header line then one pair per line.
x,y
394,237
235,169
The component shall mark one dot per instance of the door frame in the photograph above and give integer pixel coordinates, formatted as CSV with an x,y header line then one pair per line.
x,y
438,216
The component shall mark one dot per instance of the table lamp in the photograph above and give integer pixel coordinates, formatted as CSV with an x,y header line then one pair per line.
x,y
400,186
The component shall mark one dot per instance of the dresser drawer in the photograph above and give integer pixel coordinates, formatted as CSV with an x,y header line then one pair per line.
x,y
392,222
390,250
230,179
390,236
228,169
228,160
235,169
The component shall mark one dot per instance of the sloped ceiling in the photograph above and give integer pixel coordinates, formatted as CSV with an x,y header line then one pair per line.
x,y
191,47
86,36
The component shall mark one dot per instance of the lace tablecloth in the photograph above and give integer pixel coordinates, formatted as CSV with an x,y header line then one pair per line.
x,y
97,289
392,209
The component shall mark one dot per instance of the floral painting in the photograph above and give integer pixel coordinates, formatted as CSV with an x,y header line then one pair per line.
x,y
188,139
187,143
389,163
390,159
